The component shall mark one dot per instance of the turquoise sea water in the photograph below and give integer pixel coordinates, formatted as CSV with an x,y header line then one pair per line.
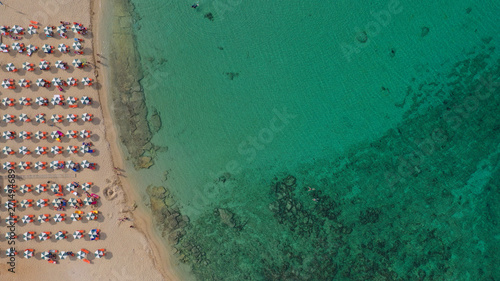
x,y
327,140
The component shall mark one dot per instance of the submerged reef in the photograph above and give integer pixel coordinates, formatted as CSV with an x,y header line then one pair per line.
x,y
419,203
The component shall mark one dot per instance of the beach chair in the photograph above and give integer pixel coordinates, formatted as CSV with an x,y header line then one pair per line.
x,y
86,260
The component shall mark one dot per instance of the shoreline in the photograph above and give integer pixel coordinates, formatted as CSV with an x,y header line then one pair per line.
x,y
134,205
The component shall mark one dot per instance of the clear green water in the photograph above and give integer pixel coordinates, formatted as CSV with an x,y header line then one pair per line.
x,y
394,147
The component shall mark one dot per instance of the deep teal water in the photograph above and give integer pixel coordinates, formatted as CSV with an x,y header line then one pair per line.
x,y
250,92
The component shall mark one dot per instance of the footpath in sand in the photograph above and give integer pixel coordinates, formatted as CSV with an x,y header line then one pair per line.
x,y
127,253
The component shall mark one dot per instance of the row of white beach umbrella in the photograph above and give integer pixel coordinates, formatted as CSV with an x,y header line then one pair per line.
x,y
82,254
55,188
26,135
40,82
48,30
40,118
41,165
44,65
46,48
43,101
46,235
58,217
42,150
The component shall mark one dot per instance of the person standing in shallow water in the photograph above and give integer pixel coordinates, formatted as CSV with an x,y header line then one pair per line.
x,y
195,5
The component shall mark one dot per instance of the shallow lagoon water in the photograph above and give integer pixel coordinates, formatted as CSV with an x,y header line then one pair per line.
x,y
320,141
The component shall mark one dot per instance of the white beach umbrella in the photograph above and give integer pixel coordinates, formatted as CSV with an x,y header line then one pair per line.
x,y
56,149
55,188
10,67
9,135
60,64
78,234
25,135
85,100
24,150
59,217
23,117
7,150
26,203
56,118
87,81
10,220
48,30
75,216
56,81
71,100
31,48
85,164
24,165
56,134
44,65
76,28
77,46
25,188
27,218
47,48
42,203
8,102
30,235
40,165
9,165
86,117
72,149
84,134
45,255
63,48
9,118
94,234
81,255
23,83
39,188
72,134
10,188
40,118
61,29
100,253
57,100
28,66
84,149
10,252
29,253
16,29
87,186
43,218
44,236
72,185
72,202
60,235
7,83
32,30
72,81
40,135
77,63
72,118
4,48
17,46
91,216
24,101
88,201
63,255
42,101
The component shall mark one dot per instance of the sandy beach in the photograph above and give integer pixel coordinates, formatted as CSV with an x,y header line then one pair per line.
x,y
131,247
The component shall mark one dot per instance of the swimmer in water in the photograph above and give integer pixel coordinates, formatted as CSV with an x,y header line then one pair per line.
x,y
195,5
